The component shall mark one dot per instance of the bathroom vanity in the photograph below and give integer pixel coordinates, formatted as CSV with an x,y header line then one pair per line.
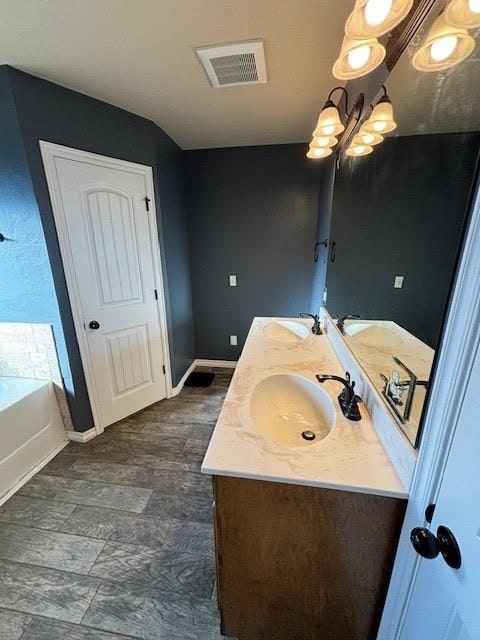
x,y
305,529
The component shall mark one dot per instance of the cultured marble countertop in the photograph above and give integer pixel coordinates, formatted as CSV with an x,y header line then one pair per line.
x,y
350,458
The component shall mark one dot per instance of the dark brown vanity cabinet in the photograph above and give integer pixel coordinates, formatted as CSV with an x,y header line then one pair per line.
x,y
302,563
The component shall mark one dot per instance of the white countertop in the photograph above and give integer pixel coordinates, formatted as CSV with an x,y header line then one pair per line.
x,y
350,458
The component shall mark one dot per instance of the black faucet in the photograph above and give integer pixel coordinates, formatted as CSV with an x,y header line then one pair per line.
x,y
341,321
316,329
347,400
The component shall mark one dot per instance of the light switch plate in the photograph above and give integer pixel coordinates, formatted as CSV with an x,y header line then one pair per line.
x,y
232,280
233,341
398,282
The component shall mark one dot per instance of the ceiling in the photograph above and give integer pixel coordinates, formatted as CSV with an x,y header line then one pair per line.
x,y
138,55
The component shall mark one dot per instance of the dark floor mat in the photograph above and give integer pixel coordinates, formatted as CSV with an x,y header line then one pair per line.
x,y
200,379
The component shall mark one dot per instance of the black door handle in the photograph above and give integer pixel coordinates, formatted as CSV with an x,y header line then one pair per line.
x,y
429,546
94,324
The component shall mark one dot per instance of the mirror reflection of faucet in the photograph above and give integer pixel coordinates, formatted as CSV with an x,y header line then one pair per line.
x,y
395,389
341,321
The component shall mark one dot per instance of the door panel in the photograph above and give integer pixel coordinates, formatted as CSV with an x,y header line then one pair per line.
x,y
445,601
129,358
111,247
111,227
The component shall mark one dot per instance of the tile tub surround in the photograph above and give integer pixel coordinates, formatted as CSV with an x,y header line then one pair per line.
x,y
113,538
350,458
27,350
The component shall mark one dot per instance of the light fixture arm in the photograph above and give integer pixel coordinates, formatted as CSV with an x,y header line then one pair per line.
x,y
329,101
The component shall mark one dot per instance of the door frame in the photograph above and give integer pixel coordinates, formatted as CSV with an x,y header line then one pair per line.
x,y
459,343
49,152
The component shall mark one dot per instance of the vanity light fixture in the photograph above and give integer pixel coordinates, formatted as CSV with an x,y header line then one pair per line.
x,y
329,123
357,150
358,57
445,46
463,13
381,119
323,141
367,138
373,18
319,152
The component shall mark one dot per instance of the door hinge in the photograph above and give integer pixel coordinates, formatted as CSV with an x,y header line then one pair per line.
x,y
147,203
164,370
155,292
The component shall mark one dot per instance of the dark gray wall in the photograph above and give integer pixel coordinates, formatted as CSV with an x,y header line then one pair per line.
x,y
27,293
401,211
253,213
49,112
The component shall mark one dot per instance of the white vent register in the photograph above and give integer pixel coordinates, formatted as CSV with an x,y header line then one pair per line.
x,y
228,65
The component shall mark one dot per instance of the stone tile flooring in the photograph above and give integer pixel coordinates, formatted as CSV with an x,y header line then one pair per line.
x,y
113,538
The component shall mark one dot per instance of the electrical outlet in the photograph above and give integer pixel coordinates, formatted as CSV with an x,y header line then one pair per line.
x,y
232,280
398,282
233,341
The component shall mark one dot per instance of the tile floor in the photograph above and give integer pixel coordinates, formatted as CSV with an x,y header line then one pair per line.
x,y
113,538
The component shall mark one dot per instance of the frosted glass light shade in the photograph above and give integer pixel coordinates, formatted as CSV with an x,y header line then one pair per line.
x,y
463,13
357,58
368,138
381,119
444,46
357,150
373,18
328,121
319,152
323,141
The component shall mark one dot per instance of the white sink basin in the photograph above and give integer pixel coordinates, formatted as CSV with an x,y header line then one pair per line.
x,y
373,335
284,407
286,331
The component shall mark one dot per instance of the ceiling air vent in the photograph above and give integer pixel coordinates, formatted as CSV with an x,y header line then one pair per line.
x,y
228,65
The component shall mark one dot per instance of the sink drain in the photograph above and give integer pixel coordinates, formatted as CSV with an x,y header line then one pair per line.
x,y
308,435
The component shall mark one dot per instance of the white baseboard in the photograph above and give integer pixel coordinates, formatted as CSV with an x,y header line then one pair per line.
x,y
24,479
176,390
82,436
226,364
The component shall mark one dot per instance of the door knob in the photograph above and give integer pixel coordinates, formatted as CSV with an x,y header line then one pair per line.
x,y
429,546
94,324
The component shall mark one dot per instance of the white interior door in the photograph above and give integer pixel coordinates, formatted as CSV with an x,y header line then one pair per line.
x,y
111,247
445,602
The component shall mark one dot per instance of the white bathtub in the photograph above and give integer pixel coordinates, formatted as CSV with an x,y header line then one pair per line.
x,y
31,430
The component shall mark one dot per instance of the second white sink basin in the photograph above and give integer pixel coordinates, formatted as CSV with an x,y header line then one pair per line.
x,y
286,331
373,335
286,408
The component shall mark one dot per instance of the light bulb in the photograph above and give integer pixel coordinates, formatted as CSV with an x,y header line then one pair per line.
x,y
319,152
376,11
329,130
368,138
322,141
358,57
359,149
474,6
379,126
443,48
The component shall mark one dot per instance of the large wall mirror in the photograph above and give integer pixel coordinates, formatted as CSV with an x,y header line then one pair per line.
x,y
398,219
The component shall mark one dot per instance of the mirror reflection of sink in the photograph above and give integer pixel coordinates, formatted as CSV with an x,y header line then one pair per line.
x,y
288,409
286,331
373,335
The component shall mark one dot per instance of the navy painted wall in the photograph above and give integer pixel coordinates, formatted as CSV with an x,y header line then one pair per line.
x,y
49,112
27,292
253,213
401,211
